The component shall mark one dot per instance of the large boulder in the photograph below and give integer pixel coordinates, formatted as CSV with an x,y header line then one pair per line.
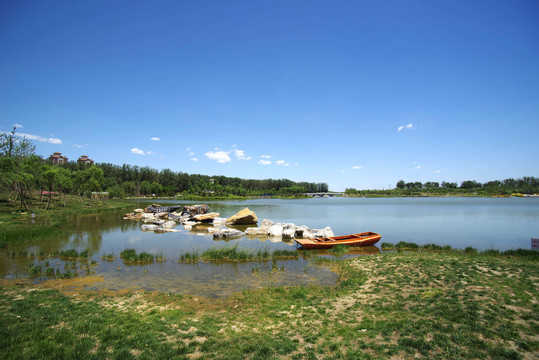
x,y
206,217
243,217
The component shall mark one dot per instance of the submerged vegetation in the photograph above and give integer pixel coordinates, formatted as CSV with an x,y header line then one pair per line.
x,y
400,304
130,255
232,253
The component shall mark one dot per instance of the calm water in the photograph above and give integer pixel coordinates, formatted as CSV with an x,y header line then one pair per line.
x,y
484,223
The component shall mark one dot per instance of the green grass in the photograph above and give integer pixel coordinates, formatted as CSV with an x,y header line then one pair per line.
x,y
404,304
131,256
232,253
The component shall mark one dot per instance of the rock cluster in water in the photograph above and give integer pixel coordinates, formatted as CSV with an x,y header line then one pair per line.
x,y
189,216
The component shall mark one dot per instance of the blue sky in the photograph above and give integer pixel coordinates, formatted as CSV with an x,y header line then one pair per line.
x,y
353,93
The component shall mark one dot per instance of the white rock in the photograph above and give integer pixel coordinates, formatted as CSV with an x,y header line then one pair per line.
x,y
251,231
147,217
169,225
149,227
263,231
267,223
276,230
227,233
289,233
137,211
302,230
219,220
326,232
162,215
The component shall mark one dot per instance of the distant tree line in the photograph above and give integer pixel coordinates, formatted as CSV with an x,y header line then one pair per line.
x,y
23,173
525,185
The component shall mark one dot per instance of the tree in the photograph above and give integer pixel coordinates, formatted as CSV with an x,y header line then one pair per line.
x,y
401,184
470,184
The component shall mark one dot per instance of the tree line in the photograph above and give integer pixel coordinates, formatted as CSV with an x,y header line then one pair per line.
x,y
525,185
23,173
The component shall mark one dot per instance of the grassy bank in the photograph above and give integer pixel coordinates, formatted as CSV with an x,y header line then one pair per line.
x,y
46,222
400,305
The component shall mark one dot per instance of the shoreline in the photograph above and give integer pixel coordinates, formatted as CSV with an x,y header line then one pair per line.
x,y
474,305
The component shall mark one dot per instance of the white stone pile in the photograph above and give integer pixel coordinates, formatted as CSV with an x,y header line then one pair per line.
x,y
167,222
286,231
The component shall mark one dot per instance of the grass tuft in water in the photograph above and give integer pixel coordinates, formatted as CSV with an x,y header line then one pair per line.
x,y
232,253
108,257
130,255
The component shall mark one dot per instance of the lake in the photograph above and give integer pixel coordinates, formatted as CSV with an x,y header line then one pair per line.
x,y
483,223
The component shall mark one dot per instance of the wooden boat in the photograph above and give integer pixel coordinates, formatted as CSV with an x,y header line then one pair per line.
x,y
362,239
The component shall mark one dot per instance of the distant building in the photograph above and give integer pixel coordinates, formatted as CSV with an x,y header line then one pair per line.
x,y
84,160
58,159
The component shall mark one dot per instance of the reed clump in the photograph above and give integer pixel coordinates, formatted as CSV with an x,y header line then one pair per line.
x,y
131,256
232,253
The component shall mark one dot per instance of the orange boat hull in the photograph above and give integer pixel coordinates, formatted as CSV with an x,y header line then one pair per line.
x,y
362,239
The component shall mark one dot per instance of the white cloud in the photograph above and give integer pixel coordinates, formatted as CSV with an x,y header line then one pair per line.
x,y
265,156
218,155
155,139
409,126
18,126
343,171
137,151
240,154
419,167
191,153
282,163
264,162
194,159
50,140
79,146
54,141
188,149
357,167
150,152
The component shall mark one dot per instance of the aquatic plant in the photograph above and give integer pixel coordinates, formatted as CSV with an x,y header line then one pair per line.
x,y
108,257
190,256
284,253
69,254
34,270
130,255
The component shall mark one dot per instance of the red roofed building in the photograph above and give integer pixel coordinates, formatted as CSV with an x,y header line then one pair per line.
x,y
58,159
84,160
